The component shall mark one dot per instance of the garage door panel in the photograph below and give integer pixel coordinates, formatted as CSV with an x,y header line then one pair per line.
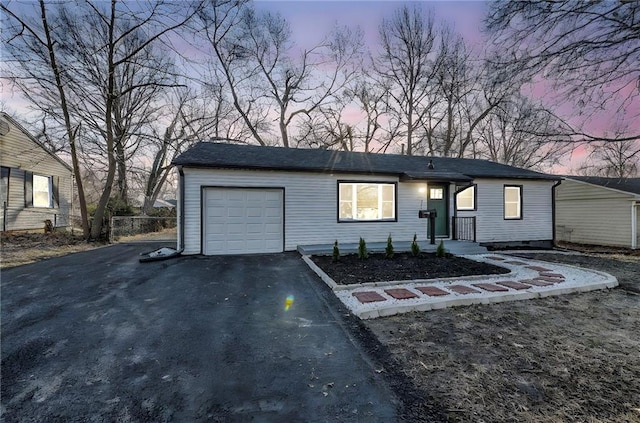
x,y
272,195
272,229
273,212
242,221
258,196
235,211
236,246
235,195
254,211
216,212
236,229
216,229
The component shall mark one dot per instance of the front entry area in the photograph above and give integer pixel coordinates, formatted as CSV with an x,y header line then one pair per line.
x,y
242,220
437,198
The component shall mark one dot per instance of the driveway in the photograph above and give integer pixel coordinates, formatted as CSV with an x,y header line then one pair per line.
x,y
97,336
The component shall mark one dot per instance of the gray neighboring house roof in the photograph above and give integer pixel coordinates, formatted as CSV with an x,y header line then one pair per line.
x,y
238,156
631,185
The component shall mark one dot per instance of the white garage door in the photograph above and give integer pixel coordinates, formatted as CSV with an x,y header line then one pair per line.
x,y
243,221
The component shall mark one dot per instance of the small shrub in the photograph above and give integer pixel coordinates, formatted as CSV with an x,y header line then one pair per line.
x,y
415,248
388,251
440,251
336,252
363,253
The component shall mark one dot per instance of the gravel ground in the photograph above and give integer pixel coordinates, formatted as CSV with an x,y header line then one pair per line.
x,y
572,358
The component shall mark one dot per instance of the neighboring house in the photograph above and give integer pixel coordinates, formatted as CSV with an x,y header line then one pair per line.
x,y
158,204
599,211
36,185
249,199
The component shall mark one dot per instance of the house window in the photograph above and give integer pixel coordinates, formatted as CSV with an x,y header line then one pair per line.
x,y
466,199
4,186
366,201
436,193
42,189
513,202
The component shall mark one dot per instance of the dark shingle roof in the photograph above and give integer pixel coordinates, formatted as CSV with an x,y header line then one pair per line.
x,y
234,156
631,185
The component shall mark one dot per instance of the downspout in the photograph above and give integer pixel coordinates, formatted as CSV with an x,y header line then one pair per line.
x,y
553,212
181,210
634,224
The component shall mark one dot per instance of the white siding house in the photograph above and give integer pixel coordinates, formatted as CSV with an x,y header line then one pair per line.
x,y
599,211
247,199
35,184
492,227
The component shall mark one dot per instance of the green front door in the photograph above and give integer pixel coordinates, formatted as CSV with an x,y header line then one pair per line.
x,y
437,198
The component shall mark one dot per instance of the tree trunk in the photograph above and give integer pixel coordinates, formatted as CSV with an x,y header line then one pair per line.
x,y
96,226
71,132
123,187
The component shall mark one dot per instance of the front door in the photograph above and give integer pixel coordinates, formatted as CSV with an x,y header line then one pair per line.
x,y
437,198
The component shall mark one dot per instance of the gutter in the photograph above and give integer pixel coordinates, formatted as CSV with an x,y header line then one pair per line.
x,y
553,211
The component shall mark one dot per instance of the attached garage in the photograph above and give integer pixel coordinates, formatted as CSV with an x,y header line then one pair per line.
x,y
242,220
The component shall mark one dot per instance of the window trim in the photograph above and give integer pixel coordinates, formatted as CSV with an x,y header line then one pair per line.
x,y
520,203
461,189
50,192
8,176
365,182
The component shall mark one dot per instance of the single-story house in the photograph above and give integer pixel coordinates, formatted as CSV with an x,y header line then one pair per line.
x,y
250,199
35,184
599,211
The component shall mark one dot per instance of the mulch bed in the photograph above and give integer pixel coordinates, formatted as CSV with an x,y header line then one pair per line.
x,y
403,266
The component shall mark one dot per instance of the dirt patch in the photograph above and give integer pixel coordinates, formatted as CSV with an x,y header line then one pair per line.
x,y
24,248
570,358
377,268
599,249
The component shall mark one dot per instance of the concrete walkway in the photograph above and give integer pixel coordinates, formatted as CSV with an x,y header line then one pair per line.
x,y
528,279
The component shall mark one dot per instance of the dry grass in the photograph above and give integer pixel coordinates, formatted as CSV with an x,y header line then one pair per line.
x,y
573,358
24,248
167,234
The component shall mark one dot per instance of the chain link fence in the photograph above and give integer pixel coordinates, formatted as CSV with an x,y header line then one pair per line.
x,y
142,228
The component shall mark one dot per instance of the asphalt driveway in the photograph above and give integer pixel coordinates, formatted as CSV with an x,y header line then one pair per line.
x,y
97,336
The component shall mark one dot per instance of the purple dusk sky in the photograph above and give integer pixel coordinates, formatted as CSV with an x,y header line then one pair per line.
x,y
310,20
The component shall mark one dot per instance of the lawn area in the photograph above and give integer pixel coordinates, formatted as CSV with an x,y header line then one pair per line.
x,y
572,358
24,247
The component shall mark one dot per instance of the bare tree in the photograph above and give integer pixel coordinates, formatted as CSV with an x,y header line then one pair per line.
x,y
615,160
268,80
220,22
100,43
514,134
352,122
42,80
407,66
590,48
189,121
137,85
